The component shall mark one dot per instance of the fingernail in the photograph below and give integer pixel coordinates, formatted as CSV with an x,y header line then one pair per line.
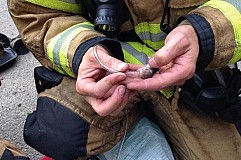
x,y
121,77
152,62
122,90
120,66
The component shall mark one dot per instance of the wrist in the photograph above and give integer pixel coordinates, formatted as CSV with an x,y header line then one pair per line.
x,y
205,36
111,45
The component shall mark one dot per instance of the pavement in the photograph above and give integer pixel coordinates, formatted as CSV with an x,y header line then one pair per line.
x,y
17,93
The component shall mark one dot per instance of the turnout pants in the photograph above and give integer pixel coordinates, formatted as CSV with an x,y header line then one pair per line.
x,y
9,151
64,126
194,136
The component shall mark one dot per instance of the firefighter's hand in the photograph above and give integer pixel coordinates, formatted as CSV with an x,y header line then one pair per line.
x,y
176,61
103,91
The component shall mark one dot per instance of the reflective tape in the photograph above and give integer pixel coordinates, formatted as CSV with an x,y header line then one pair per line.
x,y
151,34
231,10
57,49
72,6
136,53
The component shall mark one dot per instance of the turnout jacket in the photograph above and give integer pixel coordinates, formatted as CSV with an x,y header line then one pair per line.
x,y
58,32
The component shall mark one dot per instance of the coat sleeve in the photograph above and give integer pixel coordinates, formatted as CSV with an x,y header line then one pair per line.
x,y
58,39
218,25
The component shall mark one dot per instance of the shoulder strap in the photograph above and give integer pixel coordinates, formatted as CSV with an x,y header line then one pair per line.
x,y
90,9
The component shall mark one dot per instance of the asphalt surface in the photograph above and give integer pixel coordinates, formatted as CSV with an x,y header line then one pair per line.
x,y
17,93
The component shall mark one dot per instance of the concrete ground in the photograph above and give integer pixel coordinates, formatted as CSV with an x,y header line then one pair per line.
x,y
17,93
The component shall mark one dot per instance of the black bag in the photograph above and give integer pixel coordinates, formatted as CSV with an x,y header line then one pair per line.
x,y
215,93
45,78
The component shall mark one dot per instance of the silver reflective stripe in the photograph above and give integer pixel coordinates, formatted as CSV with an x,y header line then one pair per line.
x,y
236,3
152,37
58,47
151,34
72,1
132,50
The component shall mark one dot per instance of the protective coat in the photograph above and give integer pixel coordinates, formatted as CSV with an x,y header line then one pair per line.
x,y
58,34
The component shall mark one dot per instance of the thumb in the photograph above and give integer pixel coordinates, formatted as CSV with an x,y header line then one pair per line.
x,y
161,57
174,47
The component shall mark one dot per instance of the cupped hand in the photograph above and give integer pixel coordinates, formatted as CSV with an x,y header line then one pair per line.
x,y
176,61
102,90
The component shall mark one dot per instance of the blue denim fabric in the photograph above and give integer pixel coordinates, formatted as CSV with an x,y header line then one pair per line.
x,y
144,142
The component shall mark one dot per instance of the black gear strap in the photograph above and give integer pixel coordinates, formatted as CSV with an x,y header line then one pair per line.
x,y
215,93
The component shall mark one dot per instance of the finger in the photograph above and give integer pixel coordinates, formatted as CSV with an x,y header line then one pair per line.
x,y
173,47
172,76
160,81
109,61
102,62
122,105
134,67
89,86
128,95
132,70
165,67
104,107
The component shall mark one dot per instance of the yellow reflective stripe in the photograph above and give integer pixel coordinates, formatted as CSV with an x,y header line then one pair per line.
x,y
50,47
151,34
54,52
130,58
234,16
64,51
59,5
142,48
136,52
167,93
60,70
143,27
154,45
57,49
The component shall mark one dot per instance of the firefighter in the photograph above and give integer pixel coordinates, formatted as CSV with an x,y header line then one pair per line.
x,y
91,88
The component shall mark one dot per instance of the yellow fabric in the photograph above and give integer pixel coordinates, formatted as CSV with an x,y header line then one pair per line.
x,y
62,65
49,54
140,49
58,5
129,58
234,16
152,28
64,52
168,93
147,31
155,45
